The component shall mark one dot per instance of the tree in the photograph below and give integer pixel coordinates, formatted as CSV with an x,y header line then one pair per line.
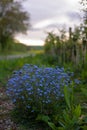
x,y
13,19
84,9
52,43
84,30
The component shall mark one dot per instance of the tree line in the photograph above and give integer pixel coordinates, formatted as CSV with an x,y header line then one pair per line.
x,y
71,48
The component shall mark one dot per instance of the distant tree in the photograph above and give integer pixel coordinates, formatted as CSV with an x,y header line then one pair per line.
x,y
63,33
13,19
76,34
52,43
84,9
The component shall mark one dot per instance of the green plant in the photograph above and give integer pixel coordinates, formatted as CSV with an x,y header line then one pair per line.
x,y
84,76
84,91
71,117
37,89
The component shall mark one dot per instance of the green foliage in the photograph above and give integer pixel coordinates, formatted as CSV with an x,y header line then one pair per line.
x,y
52,44
71,118
46,119
18,47
67,97
84,76
84,9
72,112
66,50
7,66
84,91
12,20
38,90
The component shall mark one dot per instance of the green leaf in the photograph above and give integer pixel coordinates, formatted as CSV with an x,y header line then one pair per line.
x,y
52,125
66,116
77,111
67,96
43,118
62,123
60,128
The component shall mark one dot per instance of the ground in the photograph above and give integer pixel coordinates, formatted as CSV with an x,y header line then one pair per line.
x,y
6,106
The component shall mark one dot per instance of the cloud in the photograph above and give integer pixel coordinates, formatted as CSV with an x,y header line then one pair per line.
x,y
73,16
40,9
51,21
43,23
48,15
69,18
29,41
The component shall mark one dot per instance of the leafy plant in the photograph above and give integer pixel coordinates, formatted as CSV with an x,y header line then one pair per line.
x,y
71,117
47,120
37,90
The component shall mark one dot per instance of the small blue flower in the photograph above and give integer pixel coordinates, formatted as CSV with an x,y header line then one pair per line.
x,y
38,87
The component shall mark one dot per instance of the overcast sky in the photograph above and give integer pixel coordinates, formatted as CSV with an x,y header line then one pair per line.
x,y
49,15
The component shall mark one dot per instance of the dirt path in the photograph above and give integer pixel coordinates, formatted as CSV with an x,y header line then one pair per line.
x,y
16,56
5,107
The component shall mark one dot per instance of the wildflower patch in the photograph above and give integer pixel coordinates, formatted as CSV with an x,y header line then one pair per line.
x,y
36,89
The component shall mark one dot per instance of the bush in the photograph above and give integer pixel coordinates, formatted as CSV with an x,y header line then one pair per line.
x,y
37,90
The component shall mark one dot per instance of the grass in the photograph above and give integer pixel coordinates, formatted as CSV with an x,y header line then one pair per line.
x,y
8,66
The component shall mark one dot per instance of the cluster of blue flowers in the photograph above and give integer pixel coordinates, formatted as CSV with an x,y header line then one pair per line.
x,y
36,88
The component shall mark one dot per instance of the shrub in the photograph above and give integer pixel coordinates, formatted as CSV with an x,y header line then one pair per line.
x,y
37,90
